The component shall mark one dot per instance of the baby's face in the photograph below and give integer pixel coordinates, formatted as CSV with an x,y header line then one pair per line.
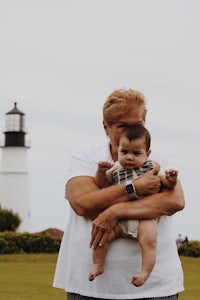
x,y
132,154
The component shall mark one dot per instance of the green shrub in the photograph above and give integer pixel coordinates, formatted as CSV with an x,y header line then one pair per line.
x,y
11,242
191,249
9,221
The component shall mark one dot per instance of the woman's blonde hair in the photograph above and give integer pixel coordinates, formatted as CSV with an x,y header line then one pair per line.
x,y
120,102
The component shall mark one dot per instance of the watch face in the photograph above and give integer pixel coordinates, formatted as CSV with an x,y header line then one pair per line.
x,y
129,189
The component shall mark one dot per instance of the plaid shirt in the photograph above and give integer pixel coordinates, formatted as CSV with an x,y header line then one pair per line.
x,y
122,175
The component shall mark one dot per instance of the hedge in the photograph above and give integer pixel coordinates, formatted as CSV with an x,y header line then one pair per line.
x,y
11,242
191,249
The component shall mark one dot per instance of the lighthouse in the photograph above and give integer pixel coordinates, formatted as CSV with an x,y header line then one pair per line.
x,y
14,183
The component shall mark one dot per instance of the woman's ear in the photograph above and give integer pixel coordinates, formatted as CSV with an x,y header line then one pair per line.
x,y
105,126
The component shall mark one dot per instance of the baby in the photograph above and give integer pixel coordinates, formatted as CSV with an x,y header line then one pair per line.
x,y
133,154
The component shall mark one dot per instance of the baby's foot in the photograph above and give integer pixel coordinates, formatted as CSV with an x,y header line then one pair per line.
x,y
139,279
95,271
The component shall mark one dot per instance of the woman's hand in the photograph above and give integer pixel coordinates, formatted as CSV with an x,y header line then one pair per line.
x,y
102,226
148,183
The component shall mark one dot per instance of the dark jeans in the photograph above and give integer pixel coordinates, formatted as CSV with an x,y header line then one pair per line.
x,y
72,296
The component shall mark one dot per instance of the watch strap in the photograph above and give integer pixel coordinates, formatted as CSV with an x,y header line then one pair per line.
x,y
130,190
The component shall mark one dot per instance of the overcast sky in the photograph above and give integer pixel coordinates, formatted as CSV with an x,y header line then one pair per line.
x,y
60,59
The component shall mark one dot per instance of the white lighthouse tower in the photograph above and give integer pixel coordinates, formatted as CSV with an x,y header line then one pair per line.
x,y
14,185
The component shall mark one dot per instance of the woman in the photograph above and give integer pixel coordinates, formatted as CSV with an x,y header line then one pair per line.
x,y
106,206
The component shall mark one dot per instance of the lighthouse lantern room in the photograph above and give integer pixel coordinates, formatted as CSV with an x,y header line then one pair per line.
x,y
14,185
15,128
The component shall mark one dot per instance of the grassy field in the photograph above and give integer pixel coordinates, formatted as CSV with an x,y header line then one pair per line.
x,y
30,276
191,269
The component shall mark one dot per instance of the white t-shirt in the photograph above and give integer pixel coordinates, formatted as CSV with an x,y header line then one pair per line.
x,y
124,257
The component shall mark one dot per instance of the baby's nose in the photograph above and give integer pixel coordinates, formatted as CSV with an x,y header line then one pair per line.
x,y
130,156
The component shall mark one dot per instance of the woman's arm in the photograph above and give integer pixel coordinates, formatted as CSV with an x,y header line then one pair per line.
x,y
88,200
150,207
153,206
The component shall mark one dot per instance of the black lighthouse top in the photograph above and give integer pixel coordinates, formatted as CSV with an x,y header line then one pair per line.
x,y
15,110
15,128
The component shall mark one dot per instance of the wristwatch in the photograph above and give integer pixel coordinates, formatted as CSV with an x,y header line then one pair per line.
x,y
130,190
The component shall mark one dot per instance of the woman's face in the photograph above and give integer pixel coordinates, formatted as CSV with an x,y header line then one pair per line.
x,y
114,131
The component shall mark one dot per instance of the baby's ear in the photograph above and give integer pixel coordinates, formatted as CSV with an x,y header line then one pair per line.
x,y
148,152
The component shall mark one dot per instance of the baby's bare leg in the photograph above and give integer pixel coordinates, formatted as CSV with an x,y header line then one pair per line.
x,y
99,254
147,234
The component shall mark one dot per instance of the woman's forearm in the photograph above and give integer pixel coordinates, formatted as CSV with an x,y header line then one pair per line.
x,y
153,206
88,200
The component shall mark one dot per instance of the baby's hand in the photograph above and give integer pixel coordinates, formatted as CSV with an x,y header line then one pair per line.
x,y
171,175
103,166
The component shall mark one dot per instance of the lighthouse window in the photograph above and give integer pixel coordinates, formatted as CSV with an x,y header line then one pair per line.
x,y
14,122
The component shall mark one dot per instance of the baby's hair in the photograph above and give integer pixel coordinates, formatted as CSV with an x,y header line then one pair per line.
x,y
135,132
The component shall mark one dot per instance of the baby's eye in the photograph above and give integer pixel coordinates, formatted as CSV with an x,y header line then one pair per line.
x,y
136,153
124,151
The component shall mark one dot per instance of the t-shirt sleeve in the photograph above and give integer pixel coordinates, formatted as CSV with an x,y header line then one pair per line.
x,y
81,164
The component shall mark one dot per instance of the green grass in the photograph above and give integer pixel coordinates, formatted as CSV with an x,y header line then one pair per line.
x,y
30,277
191,269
